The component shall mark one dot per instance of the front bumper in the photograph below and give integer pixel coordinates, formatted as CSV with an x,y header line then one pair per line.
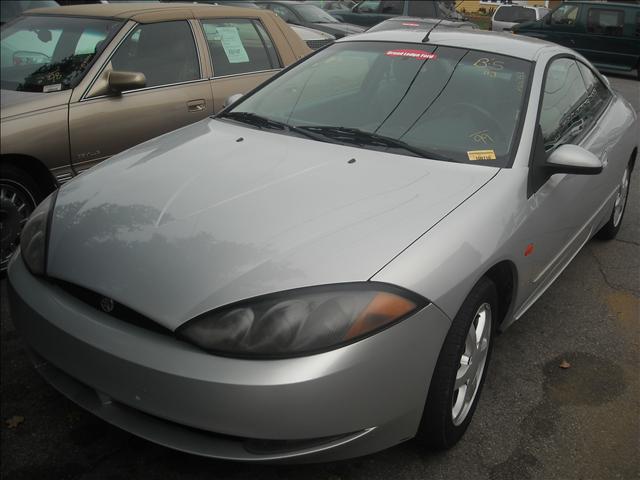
x,y
355,400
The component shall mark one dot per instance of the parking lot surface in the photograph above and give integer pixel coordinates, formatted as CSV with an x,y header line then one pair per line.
x,y
535,420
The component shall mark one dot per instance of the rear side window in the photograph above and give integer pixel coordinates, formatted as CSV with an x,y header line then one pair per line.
x,y
283,12
422,9
605,21
515,14
392,7
239,46
164,52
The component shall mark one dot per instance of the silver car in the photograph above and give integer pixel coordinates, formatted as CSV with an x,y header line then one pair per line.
x,y
507,16
319,271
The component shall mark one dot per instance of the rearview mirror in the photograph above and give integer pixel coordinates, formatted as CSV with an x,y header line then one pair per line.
x,y
232,99
120,81
574,159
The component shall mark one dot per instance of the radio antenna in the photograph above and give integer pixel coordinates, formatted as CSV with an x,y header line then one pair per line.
x,y
426,37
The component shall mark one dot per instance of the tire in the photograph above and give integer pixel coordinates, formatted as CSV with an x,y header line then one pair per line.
x,y
445,418
612,227
19,195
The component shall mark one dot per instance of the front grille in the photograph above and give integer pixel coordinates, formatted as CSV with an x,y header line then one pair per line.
x,y
316,44
119,311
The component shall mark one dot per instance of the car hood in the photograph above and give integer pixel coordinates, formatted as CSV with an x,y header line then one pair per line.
x,y
217,212
17,103
339,28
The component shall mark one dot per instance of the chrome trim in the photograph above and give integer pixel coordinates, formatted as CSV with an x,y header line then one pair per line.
x,y
127,35
275,70
146,89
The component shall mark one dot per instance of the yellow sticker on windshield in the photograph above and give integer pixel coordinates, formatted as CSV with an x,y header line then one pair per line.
x,y
481,155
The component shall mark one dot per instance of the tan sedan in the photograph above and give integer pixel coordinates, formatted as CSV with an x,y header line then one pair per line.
x,y
82,83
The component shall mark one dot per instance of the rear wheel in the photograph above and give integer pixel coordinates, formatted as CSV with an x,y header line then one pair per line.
x,y
612,227
19,195
461,369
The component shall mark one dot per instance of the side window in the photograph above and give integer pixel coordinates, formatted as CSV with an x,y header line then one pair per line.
x,y
638,24
563,103
164,52
238,46
369,6
605,21
392,7
565,15
283,12
597,94
422,9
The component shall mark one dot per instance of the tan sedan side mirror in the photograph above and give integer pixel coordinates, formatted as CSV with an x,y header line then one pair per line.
x,y
120,81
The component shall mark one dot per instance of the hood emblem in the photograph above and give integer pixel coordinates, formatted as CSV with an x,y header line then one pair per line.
x,y
107,305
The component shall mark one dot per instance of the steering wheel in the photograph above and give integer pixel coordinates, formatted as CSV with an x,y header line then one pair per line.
x,y
482,117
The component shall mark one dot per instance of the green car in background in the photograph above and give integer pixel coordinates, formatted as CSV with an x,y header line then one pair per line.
x,y
608,34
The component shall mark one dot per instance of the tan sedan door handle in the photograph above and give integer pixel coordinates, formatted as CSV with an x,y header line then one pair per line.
x,y
196,105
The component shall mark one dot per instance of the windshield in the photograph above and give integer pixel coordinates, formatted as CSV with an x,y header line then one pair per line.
x,y
51,53
313,14
450,103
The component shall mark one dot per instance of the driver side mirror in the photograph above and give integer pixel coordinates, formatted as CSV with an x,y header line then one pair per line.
x,y
231,99
574,160
120,81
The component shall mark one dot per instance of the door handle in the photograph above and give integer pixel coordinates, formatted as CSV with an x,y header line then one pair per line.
x,y
196,105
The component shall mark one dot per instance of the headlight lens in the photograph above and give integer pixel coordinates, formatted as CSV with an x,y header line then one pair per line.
x,y
301,321
33,239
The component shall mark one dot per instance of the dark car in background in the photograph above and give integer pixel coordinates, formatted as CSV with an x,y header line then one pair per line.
x,y
310,16
13,9
372,12
608,34
333,4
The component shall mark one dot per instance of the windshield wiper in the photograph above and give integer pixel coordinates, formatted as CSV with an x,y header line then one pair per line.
x,y
256,120
355,136
264,123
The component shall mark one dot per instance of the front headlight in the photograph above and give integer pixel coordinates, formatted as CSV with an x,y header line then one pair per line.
x,y
301,321
33,239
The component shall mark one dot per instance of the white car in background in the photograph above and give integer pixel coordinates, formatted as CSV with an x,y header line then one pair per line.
x,y
507,16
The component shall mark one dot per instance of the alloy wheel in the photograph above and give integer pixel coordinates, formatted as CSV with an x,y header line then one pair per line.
x,y
472,363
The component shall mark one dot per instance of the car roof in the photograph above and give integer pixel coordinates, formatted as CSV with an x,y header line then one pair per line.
x,y
518,46
150,12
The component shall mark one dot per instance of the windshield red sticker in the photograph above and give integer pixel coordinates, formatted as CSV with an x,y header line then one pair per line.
x,y
409,24
417,54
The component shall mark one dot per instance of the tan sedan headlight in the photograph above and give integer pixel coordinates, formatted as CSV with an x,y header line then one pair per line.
x,y
33,239
302,321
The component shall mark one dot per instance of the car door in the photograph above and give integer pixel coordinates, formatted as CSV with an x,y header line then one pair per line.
x,y
565,27
242,54
607,43
177,93
565,207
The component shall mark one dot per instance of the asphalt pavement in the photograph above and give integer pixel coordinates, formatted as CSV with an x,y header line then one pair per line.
x,y
535,420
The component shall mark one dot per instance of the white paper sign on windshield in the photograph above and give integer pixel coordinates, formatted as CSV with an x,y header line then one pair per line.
x,y
232,45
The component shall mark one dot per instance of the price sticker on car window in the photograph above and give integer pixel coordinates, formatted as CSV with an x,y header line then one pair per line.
x,y
232,45
406,53
475,155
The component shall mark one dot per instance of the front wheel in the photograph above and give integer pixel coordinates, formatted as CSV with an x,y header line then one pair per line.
x,y
461,369
19,195
612,227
